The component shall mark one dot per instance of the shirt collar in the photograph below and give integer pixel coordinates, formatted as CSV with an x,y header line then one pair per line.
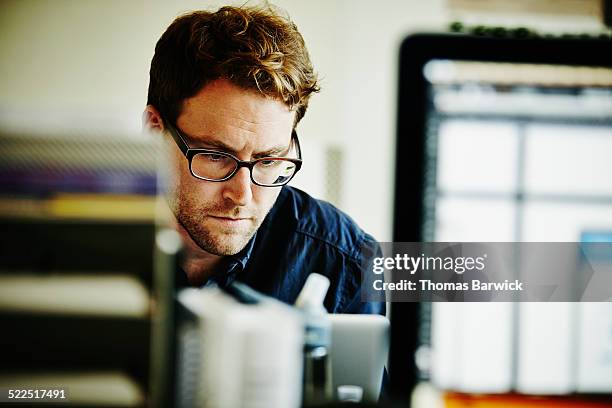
x,y
233,265
241,258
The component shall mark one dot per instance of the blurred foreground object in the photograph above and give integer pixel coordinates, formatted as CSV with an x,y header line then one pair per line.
x,y
317,384
85,269
237,351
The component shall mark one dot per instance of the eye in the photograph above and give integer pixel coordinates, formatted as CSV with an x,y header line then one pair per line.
x,y
269,163
214,157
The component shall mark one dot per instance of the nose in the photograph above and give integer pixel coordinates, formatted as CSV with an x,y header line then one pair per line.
x,y
238,188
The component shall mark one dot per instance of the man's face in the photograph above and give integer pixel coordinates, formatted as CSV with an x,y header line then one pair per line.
x,y
221,217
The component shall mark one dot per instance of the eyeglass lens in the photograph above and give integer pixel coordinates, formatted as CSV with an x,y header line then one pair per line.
x,y
214,166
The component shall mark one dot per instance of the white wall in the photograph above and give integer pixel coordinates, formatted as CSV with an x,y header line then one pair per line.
x,y
354,46
85,63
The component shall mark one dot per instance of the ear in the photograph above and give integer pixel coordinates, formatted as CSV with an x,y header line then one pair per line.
x,y
152,119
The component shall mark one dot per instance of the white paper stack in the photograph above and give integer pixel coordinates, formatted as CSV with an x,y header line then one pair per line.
x,y
81,294
250,355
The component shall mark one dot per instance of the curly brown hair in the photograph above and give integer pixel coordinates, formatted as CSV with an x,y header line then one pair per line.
x,y
253,47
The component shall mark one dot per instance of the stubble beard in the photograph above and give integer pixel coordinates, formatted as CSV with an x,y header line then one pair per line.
x,y
211,238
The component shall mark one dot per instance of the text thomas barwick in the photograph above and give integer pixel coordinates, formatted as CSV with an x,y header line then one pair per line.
x,y
428,285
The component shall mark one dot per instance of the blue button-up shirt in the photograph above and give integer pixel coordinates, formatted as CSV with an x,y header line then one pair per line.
x,y
299,236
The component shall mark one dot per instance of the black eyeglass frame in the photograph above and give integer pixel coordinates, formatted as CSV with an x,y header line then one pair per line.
x,y
190,153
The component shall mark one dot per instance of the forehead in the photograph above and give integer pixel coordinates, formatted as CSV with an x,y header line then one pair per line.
x,y
242,118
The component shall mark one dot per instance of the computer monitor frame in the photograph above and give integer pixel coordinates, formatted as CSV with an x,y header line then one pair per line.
x,y
415,52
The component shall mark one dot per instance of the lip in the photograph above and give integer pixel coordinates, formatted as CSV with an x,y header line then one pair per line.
x,y
229,220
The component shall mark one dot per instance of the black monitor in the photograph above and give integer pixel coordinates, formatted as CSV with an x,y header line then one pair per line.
x,y
457,90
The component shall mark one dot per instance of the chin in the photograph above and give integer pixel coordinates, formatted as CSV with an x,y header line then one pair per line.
x,y
224,246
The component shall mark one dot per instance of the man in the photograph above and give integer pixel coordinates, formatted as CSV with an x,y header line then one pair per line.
x,y
227,90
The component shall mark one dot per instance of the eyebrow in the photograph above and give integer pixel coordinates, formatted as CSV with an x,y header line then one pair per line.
x,y
221,146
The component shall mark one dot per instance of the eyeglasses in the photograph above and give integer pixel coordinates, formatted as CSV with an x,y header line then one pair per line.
x,y
213,165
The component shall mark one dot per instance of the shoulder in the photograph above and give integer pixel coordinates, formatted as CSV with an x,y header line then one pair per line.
x,y
302,235
323,222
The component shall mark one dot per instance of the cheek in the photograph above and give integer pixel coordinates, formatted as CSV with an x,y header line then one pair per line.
x,y
197,192
181,186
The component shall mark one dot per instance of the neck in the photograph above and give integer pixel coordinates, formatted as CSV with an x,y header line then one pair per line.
x,y
198,264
